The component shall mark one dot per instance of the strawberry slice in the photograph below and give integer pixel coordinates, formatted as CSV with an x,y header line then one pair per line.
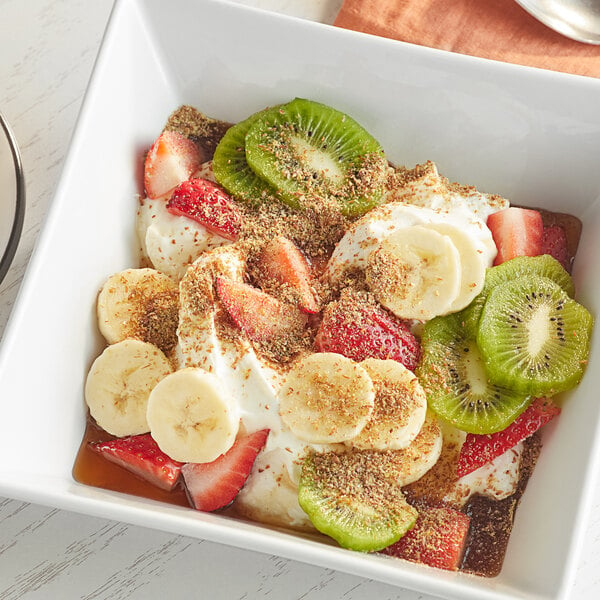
x,y
259,315
359,329
516,232
437,539
478,450
208,204
215,484
171,159
554,243
141,455
282,263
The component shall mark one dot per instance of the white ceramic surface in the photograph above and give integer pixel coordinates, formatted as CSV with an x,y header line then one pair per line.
x,y
506,129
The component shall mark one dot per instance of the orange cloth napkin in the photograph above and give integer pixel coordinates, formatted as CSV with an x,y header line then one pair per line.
x,y
496,29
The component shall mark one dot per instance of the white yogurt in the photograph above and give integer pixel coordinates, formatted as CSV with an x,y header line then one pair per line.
x,y
497,479
366,235
171,242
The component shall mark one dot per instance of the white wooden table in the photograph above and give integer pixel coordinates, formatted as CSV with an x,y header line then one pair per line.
x,y
47,50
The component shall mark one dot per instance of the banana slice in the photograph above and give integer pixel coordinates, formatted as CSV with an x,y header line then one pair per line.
x,y
422,454
415,273
119,383
400,407
326,398
141,304
473,261
191,418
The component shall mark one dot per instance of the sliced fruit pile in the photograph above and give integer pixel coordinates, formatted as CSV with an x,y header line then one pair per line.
x,y
482,369
170,423
366,396
523,337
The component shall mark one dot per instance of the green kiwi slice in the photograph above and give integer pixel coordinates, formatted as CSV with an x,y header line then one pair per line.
x,y
521,266
307,151
348,497
231,170
453,375
534,337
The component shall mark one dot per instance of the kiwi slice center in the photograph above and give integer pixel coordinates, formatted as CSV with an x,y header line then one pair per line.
x,y
538,330
317,161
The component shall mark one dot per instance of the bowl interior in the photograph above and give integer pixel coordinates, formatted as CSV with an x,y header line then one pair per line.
x,y
505,129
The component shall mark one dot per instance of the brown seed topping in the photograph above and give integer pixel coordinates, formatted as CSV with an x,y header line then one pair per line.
x,y
203,130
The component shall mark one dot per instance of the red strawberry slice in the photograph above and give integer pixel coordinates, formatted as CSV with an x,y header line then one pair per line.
x,y
214,485
172,159
516,232
281,262
259,315
359,330
437,539
554,243
478,450
208,204
141,455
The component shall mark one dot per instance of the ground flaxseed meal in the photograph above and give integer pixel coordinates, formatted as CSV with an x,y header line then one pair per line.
x,y
367,476
315,229
158,323
386,276
392,401
431,489
153,316
205,131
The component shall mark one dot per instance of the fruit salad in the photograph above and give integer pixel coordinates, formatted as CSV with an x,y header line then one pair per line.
x,y
320,340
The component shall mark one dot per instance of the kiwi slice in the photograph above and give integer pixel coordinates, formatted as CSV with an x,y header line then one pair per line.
x,y
307,151
231,169
534,337
348,497
521,266
453,375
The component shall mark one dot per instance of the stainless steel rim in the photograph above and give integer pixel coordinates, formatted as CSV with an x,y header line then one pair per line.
x,y
17,226
579,25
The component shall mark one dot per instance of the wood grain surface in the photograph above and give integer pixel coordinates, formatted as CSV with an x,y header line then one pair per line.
x,y
47,53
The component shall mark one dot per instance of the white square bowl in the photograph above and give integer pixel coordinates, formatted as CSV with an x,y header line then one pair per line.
x,y
531,136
